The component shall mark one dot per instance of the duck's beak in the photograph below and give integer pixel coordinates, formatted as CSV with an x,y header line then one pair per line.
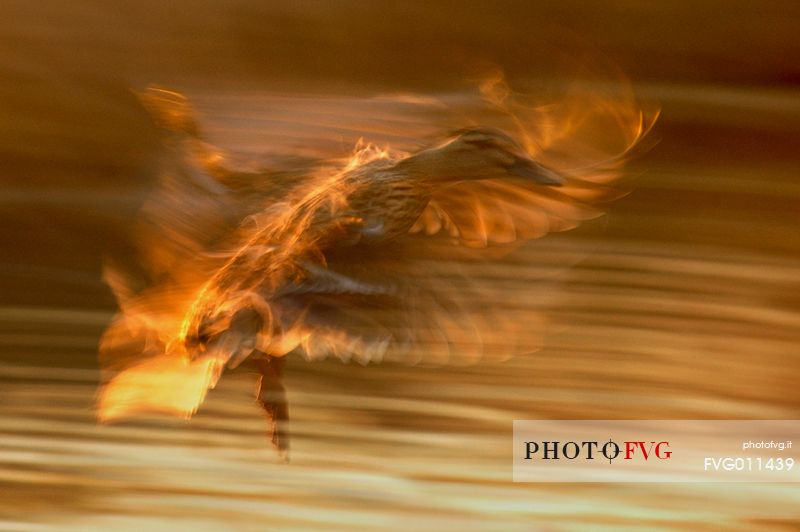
x,y
527,168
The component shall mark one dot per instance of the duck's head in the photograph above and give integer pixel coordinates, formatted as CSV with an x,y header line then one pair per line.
x,y
481,153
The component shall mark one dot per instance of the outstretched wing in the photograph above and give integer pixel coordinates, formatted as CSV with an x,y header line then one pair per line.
x,y
495,212
481,213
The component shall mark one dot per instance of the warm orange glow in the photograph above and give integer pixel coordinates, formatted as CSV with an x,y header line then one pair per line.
x,y
165,384
152,348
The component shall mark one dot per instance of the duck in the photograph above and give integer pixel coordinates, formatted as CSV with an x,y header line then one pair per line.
x,y
326,263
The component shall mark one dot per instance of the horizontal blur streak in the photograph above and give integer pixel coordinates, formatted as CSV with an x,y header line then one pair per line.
x,y
442,432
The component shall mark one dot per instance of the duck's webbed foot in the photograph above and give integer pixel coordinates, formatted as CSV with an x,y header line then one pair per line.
x,y
272,396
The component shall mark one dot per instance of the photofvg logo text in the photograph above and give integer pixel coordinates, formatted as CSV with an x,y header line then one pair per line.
x,y
591,450
655,451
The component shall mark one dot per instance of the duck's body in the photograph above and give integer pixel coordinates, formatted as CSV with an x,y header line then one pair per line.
x,y
367,205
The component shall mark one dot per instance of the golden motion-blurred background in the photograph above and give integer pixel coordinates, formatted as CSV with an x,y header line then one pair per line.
x,y
684,303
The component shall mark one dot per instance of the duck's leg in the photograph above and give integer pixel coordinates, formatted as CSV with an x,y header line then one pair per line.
x,y
272,396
